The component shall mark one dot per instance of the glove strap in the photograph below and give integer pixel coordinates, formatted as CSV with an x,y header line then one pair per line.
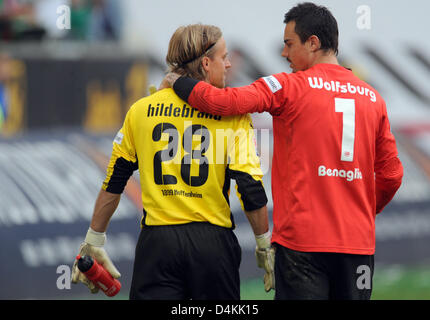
x,y
95,238
263,240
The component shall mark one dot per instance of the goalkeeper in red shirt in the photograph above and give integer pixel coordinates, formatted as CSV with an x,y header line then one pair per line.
x,y
335,160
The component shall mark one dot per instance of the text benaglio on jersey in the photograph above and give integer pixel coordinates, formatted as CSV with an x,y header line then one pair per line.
x,y
349,175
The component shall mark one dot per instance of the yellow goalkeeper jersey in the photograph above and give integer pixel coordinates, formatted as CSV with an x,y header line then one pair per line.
x,y
186,159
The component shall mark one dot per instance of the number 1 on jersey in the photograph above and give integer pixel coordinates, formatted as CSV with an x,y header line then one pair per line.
x,y
347,108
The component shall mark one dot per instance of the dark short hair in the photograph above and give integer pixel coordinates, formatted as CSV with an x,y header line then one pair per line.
x,y
312,19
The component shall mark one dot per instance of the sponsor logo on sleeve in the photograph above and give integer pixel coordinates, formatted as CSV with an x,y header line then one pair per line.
x,y
118,138
272,83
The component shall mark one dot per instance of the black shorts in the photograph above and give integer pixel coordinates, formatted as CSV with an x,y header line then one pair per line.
x,y
197,261
322,275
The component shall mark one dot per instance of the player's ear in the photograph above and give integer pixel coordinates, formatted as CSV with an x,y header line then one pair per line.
x,y
205,63
314,43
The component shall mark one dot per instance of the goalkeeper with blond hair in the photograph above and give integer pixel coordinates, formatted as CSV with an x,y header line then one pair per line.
x,y
187,248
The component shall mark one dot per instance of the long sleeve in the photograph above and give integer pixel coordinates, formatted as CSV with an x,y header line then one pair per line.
x,y
123,161
244,167
388,168
265,94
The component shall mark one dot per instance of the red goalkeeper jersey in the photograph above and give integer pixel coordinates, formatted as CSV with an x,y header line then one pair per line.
x,y
335,162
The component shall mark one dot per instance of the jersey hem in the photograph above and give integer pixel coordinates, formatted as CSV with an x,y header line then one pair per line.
x,y
333,249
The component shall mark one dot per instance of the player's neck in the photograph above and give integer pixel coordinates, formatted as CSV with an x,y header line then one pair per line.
x,y
329,58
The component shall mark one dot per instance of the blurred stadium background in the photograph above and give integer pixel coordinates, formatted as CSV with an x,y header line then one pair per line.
x,y
64,94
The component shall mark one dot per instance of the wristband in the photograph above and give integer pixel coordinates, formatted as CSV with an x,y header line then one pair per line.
x,y
263,240
95,238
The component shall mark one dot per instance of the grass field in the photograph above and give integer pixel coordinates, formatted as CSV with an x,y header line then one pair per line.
x,y
389,283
